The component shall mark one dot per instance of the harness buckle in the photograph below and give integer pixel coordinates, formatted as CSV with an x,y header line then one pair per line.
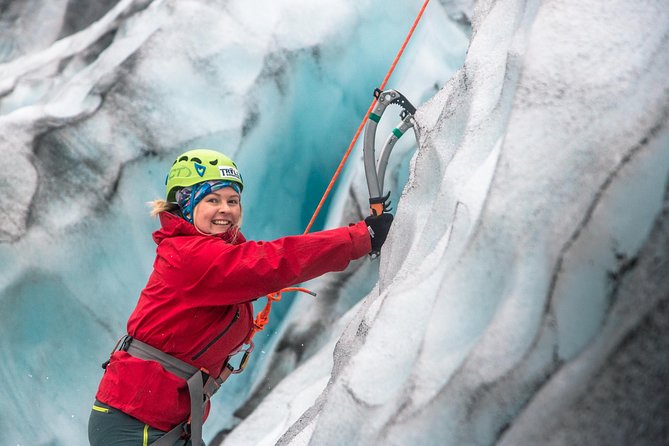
x,y
121,345
185,430
125,343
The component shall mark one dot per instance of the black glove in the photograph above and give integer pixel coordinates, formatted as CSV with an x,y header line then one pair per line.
x,y
378,226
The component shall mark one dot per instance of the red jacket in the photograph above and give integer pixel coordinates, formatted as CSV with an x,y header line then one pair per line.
x,y
201,288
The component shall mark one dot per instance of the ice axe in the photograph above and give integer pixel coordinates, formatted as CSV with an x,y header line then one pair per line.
x,y
375,171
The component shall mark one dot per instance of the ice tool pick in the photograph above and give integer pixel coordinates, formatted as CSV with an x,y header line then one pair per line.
x,y
375,171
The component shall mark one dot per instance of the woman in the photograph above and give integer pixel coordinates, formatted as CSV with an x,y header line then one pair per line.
x,y
195,311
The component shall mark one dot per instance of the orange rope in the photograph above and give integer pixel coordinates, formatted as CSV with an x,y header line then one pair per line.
x,y
263,317
364,120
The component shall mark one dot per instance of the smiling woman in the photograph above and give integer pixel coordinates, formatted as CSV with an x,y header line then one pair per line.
x,y
218,211
195,312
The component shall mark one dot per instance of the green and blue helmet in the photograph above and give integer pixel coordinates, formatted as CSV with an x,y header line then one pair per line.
x,y
197,166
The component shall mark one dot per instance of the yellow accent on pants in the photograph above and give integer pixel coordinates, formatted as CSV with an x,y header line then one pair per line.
x,y
100,409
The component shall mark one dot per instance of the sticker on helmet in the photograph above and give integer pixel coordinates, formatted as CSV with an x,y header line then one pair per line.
x,y
199,168
227,172
179,172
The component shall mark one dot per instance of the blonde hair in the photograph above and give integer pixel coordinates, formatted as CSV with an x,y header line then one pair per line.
x,y
158,206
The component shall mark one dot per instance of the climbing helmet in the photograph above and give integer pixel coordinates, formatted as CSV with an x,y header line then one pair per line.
x,y
199,165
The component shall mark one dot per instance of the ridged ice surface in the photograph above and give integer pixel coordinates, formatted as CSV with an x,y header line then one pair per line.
x,y
522,296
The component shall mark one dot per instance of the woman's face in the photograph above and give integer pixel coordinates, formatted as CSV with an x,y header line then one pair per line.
x,y
218,211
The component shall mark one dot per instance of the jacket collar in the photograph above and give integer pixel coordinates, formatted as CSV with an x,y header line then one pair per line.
x,y
174,226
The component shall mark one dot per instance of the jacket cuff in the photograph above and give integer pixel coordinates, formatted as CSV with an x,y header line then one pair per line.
x,y
362,242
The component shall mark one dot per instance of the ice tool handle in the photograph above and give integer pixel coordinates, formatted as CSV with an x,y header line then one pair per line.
x,y
375,171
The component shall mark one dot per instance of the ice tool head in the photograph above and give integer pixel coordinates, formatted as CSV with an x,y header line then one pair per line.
x,y
197,166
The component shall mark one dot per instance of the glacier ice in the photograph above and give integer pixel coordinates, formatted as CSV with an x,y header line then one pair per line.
x,y
522,295
522,285
93,108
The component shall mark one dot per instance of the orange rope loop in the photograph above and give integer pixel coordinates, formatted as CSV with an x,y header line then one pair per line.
x,y
263,317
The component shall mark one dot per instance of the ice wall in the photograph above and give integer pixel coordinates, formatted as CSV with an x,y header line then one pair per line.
x,y
523,294
96,99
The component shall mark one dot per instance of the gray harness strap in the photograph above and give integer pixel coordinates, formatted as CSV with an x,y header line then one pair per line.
x,y
140,350
199,390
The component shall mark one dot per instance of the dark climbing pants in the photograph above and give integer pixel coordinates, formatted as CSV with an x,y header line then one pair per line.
x,y
108,426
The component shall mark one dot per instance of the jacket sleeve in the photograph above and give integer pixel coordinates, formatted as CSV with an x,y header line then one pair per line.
x,y
243,272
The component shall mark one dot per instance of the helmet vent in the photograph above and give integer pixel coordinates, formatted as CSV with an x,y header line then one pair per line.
x,y
196,160
213,162
183,158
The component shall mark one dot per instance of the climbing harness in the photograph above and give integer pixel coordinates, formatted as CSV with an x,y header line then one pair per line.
x,y
201,386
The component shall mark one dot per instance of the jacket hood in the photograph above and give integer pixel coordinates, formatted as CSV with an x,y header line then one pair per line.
x,y
174,226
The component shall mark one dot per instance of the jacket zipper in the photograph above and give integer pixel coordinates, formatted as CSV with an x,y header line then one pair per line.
x,y
221,334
